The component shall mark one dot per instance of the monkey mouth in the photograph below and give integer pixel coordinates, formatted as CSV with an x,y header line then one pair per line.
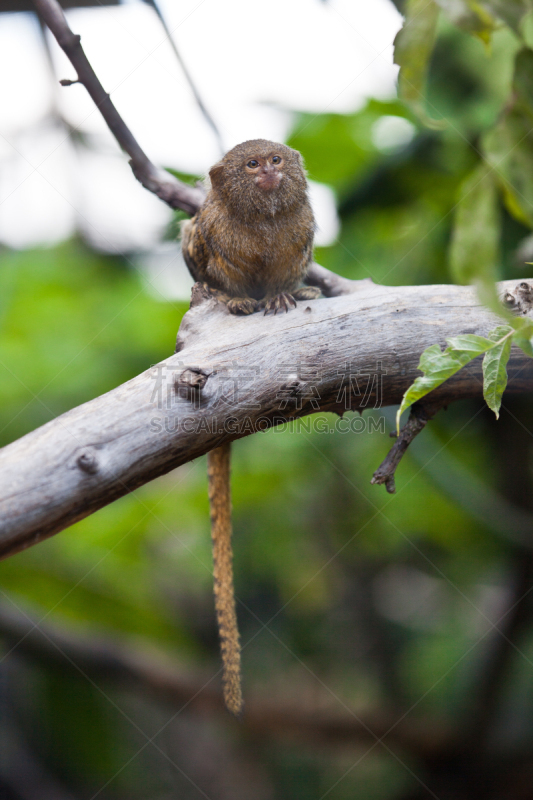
x,y
268,181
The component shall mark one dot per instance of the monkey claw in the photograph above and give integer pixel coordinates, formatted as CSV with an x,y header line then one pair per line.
x,y
283,301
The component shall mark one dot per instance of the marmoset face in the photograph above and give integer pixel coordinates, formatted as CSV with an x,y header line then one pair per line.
x,y
260,177
266,171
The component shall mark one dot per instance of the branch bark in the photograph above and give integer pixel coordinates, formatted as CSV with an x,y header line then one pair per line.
x,y
232,376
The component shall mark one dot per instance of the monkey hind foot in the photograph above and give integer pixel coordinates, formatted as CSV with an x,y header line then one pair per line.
x,y
236,305
241,305
307,293
222,297
282,301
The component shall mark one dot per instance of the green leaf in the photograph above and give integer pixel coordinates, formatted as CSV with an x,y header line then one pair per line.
x,y
476,232
413,46
337,147
523,336
512,12
523,80
438,366
525,343
524,325
470,16
469,343
508,146
494,367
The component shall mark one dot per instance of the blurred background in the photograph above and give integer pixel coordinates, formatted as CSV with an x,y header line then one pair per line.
x,y
387,639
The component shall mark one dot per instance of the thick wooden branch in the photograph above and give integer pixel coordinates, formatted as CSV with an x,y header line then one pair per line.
x,y
173,192
230,377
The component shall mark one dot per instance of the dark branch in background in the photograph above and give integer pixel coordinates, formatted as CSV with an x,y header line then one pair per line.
x,y
200,103
514,479
420,415
23,775
164,681
502,651
173,192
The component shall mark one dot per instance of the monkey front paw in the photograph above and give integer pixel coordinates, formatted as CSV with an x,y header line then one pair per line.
x,y
241,305
307,293
283,301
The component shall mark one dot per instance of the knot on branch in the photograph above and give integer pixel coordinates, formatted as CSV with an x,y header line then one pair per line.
x,y
87,461
190,383
520,299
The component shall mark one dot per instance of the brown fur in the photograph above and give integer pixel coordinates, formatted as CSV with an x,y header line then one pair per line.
x,y
251,243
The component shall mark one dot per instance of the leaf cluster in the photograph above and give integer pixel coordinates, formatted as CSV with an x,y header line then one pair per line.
x,y
502,176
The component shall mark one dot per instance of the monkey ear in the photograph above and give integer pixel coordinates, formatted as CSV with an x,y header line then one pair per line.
x,y
215,175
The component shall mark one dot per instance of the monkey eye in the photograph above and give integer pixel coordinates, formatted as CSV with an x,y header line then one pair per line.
x,y
276,160
253,163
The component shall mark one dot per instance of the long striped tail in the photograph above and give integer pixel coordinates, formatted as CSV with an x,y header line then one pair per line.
x,y
218,472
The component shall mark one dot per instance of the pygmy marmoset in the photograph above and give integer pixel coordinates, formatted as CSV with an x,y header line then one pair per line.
x,y
252,240
251,243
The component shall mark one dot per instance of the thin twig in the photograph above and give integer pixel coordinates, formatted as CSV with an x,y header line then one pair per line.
x,y
173,192
418,419
188,77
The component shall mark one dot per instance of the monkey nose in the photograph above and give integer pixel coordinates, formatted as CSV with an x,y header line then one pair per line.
x,y
268,178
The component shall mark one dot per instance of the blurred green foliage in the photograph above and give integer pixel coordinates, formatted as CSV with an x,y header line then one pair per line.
x,y
380,602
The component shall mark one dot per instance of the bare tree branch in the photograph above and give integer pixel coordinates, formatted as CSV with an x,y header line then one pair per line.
x,y
230,377
173,192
